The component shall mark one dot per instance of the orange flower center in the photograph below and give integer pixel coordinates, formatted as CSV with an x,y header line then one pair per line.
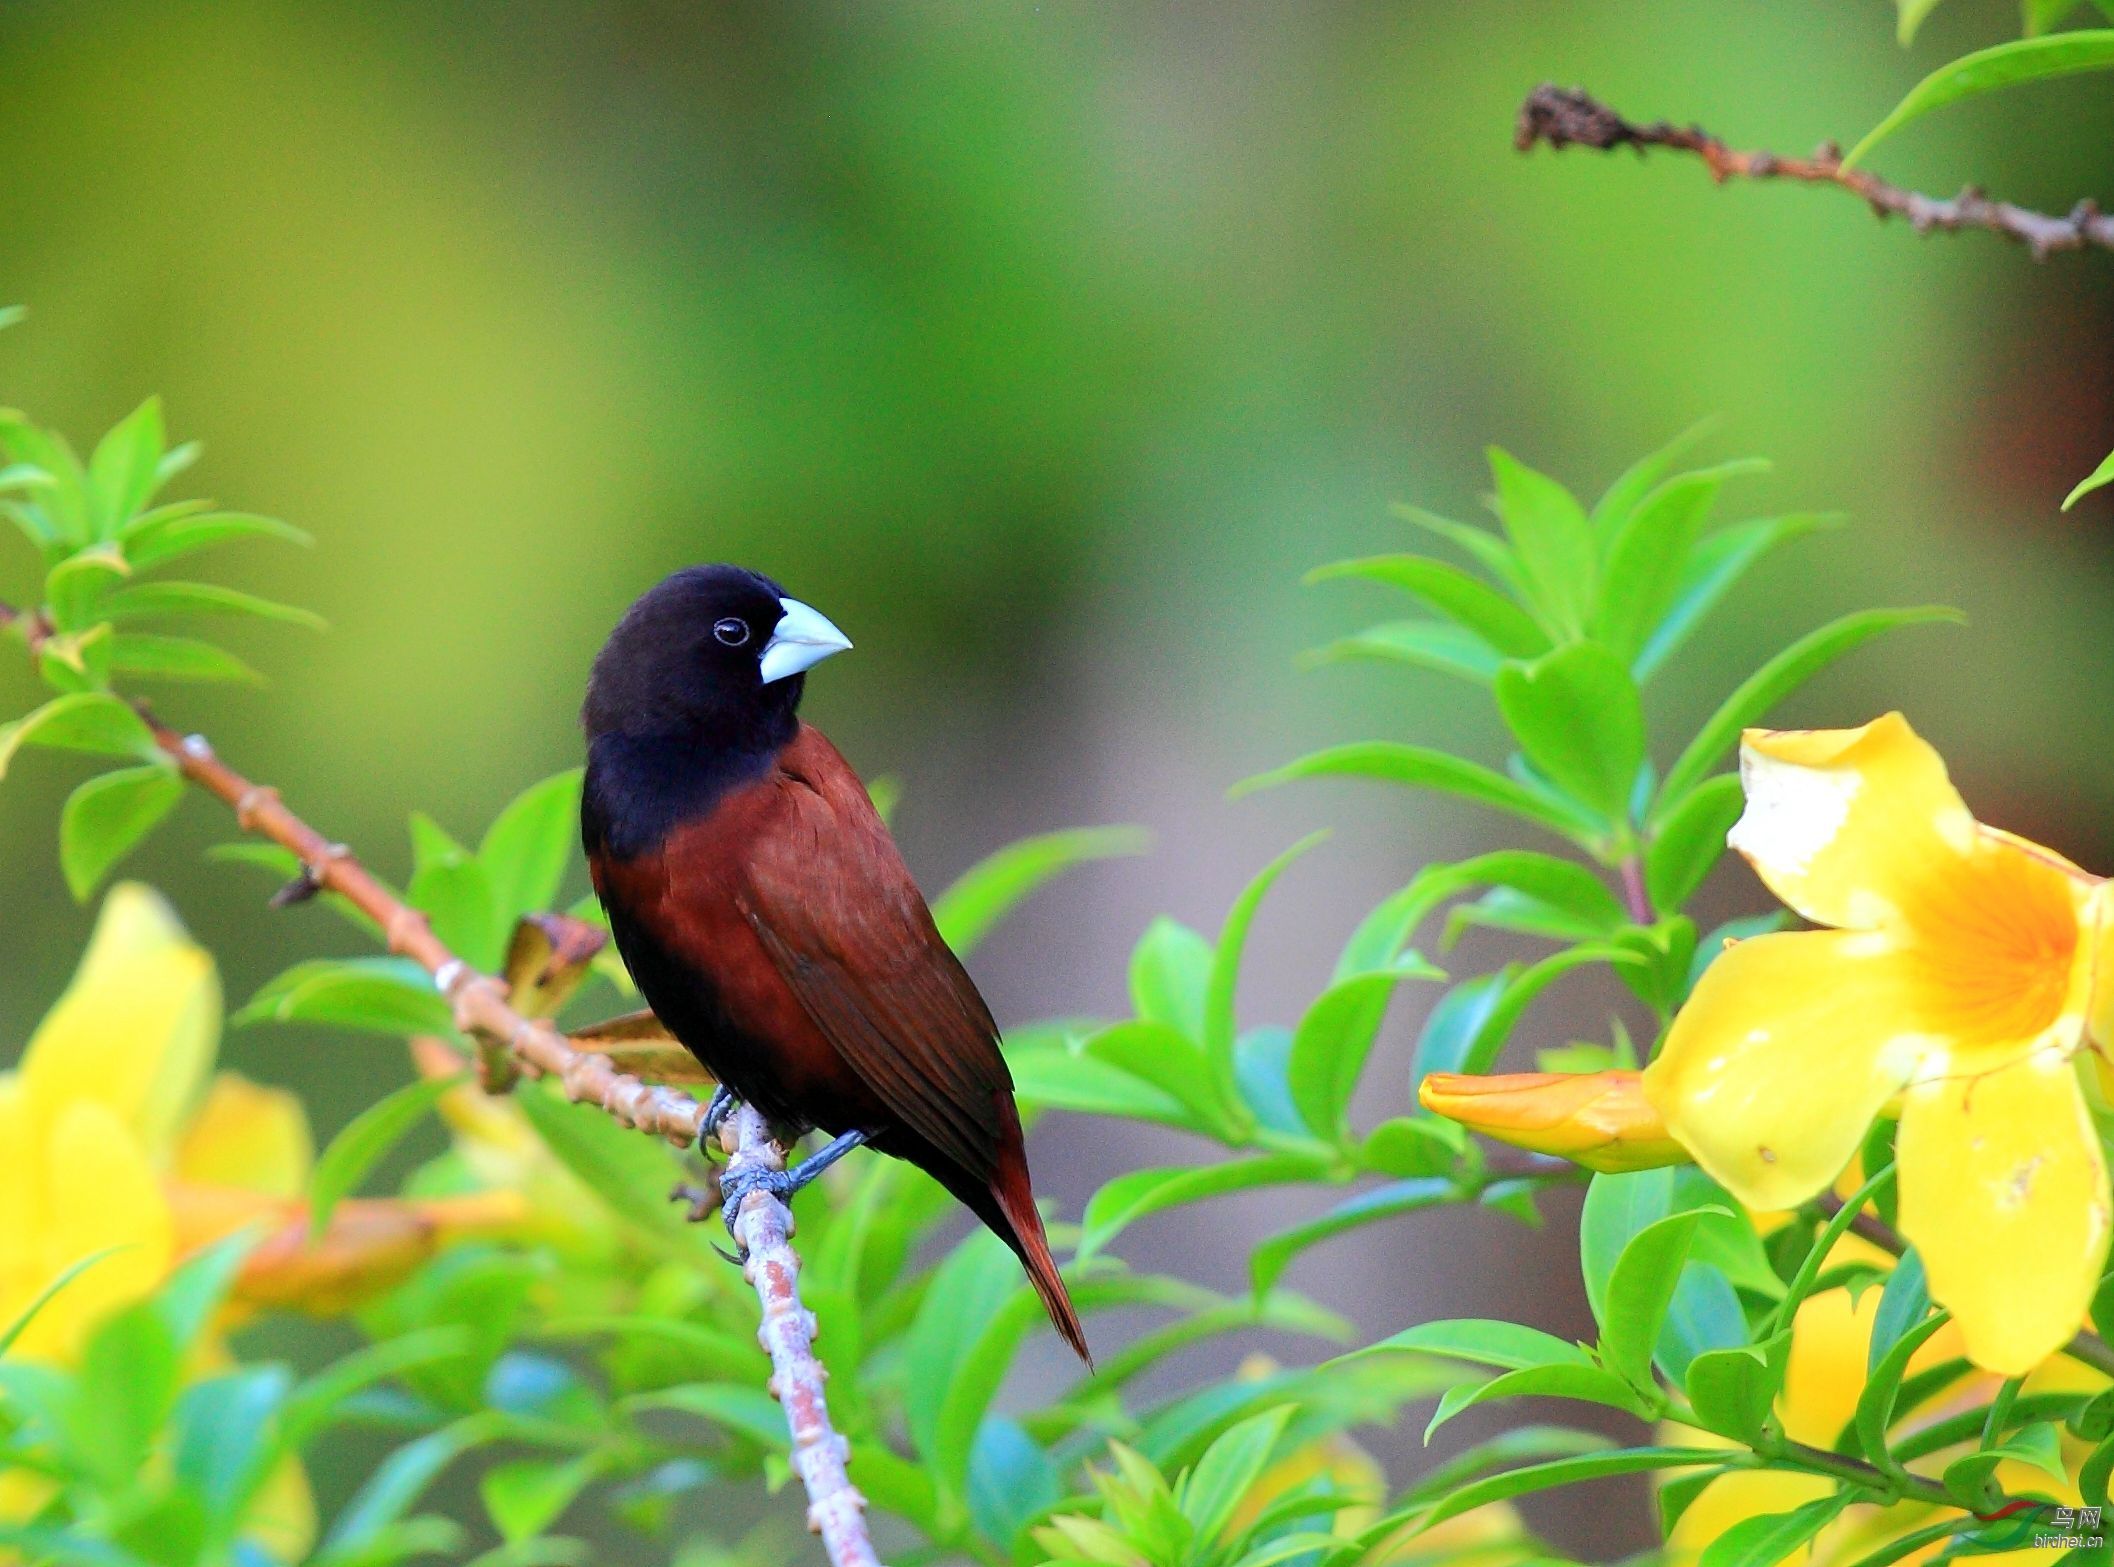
x,y
1996,940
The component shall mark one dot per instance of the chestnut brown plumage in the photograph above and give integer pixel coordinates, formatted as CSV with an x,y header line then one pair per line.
x,y
762,907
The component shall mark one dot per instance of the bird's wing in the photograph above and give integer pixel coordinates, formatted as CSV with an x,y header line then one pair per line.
x,y
836,909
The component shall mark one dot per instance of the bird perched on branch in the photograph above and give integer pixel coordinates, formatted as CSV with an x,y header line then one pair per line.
x,y
769,920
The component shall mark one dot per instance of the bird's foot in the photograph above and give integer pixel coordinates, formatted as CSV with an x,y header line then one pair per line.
x,y
700,1198
716,1113
736,1186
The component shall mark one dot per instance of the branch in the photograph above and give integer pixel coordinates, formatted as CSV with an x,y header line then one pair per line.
x,y
836,1510
1567,117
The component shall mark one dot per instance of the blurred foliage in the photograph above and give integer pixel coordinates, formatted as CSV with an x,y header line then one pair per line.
x,y
591,1346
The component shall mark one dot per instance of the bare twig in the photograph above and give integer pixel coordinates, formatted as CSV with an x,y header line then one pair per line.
x,y
1567,117
764,1226
836,1510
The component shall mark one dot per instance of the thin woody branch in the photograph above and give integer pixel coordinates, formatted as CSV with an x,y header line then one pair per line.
x,y
534,1048
1567,117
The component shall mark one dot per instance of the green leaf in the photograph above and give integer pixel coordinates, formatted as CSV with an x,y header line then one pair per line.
x,y
1170,969
1485,548
170,533
967,1291
203,598
1875,1405
1510,1346
1421,767
1555,544
1221,1026
1474,605
106,817
456,895
1718,563
127,1383
996,885
1516,991
92,721
1059,1079
64,501
1650,555
2102,475
1220,1481
1428,644
1455,1024
525,1497
1170,1062
526,849
1130,1197
391,1489
1560,884
1972,1479
121,469
1690,840
1334,1037
79,586
1733,1390
1640,1289
1902,1304
1267,1262
28,1314
1774,681
1542,1477
628,1172
1011,1481
380,995
1578,717
1638,480
178,658
1909,16
1582,1384
1413,1145
1776,1537
365,1140
1991,70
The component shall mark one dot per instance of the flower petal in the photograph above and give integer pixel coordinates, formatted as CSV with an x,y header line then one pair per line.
x,y
2004,1194
1789,1047
101,1193
249,1136
1843,824
136,1030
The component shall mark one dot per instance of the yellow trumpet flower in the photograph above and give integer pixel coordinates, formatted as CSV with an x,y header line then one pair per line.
x,y
118,1137
1598,1119
1956,982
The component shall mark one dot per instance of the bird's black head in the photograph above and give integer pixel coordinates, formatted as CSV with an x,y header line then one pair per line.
x,y
713,656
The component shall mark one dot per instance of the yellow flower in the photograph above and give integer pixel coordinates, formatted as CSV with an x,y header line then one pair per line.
x,y
1598,1119
1957,980
118,1138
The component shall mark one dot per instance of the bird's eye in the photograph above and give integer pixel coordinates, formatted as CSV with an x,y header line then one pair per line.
x,y
731,631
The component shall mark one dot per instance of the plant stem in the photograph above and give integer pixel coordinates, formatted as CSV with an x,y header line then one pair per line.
x,y
1634,892
1565,117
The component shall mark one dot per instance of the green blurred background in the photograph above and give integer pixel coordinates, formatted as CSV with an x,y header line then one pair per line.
x,y
1042,348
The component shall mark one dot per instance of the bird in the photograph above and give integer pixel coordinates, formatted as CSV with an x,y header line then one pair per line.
x,y
769,920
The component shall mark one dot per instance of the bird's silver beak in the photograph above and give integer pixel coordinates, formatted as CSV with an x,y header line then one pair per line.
x,y
804,638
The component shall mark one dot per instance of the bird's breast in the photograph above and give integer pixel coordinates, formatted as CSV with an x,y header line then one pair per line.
x,y
683,927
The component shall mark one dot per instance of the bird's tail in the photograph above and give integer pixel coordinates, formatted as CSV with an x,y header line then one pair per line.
x,y
1016,1201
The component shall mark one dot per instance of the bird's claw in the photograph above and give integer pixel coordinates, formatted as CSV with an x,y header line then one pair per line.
x,y
734,1189
716,1113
